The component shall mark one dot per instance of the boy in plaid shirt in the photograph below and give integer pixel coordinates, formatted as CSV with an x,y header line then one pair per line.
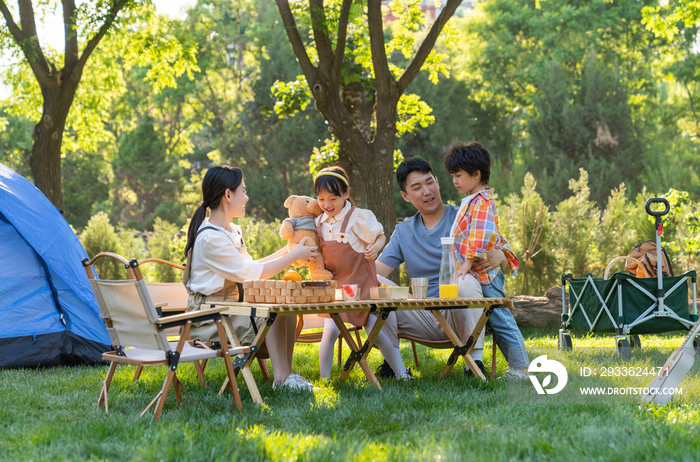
x,y
475,228
476,231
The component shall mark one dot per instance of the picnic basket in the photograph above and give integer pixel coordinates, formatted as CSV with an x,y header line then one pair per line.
x,y
290,292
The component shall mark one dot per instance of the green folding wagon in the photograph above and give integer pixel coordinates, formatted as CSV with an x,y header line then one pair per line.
x,y
629,306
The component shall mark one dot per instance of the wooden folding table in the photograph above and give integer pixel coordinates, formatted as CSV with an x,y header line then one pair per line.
x,y
382,308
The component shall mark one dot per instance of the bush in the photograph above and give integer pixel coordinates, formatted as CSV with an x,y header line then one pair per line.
x,y
167,243
617,233
527,225
576,221
99,236
682,231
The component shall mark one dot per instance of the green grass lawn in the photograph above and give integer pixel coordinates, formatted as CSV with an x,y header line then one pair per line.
x,y
50,414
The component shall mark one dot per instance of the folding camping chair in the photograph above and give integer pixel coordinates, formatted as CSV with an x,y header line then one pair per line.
x,y
137,331
627,305
444,344
176,296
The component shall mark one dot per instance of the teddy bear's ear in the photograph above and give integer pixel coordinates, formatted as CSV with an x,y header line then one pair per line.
x,y
290,200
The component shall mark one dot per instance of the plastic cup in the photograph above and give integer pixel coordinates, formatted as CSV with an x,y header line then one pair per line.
x,y
351,292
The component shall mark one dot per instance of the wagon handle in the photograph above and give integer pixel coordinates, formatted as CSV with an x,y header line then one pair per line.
x,y
658,200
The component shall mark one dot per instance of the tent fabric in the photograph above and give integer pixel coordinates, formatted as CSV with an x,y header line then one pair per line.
x,y
45,294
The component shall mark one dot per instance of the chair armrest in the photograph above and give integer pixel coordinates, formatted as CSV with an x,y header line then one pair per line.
x,y
191,315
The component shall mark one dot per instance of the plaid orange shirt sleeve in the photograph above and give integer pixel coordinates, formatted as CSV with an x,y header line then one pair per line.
x,y
477,230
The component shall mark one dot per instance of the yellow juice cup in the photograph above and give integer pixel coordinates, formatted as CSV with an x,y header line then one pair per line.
x,y
449,291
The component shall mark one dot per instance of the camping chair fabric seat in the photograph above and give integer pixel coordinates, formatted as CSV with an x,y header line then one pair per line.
x,y
189,353
595,304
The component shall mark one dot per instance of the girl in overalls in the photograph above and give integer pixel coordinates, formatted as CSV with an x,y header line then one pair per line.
x,y
217,260
351,239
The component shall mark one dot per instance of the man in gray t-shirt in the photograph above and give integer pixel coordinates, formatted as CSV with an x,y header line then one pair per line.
x,y
418,246
416,241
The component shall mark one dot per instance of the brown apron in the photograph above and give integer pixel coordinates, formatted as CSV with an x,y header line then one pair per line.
x,y
349,267
231,292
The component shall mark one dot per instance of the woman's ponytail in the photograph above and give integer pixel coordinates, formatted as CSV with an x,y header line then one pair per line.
x,y
215,183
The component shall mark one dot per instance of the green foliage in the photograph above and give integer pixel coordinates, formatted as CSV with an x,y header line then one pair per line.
x,y
576,223
413,112
15,142
99,236
167,243
670,19
682,230
262,238
617,237
589,128
84,186
526,224
324,156
292,97
239,65
409,25
147,180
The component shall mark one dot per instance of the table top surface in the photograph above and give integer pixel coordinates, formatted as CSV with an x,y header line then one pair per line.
x,y
371,305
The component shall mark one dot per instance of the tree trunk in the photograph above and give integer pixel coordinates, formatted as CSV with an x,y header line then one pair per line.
x,y
45,160
361,109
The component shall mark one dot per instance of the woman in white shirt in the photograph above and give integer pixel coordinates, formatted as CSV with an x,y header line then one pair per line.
x,y
218,260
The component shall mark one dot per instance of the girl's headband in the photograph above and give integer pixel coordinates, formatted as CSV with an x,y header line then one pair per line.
x,y
337,175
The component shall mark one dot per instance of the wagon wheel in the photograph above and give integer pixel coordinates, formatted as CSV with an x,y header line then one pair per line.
x,y
635,342
623,349
565,341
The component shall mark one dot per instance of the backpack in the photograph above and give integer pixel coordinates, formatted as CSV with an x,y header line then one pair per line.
x,y
645,253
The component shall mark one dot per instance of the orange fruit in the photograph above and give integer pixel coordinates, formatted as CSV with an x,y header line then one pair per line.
x,y
291,275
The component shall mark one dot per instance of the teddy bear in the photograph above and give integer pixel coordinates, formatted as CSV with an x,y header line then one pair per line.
x,y
300,224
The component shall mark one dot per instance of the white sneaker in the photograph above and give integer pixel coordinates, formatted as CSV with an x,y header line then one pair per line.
x,y
297,382
515,374
406,377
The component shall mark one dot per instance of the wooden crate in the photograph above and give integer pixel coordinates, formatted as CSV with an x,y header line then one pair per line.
x,y
290,292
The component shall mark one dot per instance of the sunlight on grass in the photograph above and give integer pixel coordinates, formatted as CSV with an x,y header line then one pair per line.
x,y
50,414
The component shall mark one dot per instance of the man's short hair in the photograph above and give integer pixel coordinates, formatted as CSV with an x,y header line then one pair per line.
x,y
410,165
470,157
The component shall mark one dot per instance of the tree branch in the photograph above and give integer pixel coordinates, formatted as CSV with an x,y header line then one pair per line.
x,y
339,54
26,38
319,25
11,24
382,76
71,34
290,27
92,44
426,47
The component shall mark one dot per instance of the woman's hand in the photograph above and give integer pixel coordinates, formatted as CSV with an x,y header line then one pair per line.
x,y
303,252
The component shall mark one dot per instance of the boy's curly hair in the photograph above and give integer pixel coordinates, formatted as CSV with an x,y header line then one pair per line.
x,y
470,157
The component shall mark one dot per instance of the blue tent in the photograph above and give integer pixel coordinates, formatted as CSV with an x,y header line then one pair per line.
x,y
48,312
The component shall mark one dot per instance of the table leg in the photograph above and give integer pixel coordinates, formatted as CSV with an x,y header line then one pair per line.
x,y
257,342
360,354
460,348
